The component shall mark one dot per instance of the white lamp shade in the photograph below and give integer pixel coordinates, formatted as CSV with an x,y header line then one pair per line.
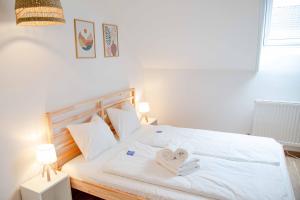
x,y
144,107
46,154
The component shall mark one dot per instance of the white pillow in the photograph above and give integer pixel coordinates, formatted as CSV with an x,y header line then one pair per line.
x,y
125,122
93,137
128,107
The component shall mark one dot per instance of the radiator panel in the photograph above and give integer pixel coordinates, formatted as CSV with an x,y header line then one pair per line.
x,y
278,120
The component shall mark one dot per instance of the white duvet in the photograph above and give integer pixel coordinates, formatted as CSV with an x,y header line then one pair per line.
x,y
235,147
232,166
217,178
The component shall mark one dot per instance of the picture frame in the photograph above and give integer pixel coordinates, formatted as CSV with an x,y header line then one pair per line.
x,y
85,39
110,40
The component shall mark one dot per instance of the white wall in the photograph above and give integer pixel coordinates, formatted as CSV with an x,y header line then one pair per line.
x,y
39,73
197,34
215,100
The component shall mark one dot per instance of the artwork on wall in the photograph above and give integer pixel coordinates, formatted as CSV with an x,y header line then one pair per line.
x,y
84,39
110,40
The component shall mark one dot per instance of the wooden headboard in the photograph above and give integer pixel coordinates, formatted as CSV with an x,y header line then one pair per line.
x,y
58,121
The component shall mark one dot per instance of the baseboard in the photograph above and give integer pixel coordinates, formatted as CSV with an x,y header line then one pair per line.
x,y
293,153
291,148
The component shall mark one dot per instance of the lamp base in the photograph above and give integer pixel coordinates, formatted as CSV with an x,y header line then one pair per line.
x,y
146,118
46,169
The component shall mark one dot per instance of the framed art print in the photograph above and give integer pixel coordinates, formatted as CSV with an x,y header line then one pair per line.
x,y
110,40
84,39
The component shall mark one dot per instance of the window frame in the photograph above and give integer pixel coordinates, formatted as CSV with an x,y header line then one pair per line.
x,y
267,28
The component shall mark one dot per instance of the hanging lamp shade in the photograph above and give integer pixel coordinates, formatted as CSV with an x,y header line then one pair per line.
x,y
39,12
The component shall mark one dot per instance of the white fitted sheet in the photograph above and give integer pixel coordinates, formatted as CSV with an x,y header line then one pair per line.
x,y
91,171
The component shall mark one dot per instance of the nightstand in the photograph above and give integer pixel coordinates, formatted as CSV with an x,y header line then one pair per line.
x,y
39,188
151,121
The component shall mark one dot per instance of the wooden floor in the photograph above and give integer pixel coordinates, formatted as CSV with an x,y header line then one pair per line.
x,y
294,171
292,164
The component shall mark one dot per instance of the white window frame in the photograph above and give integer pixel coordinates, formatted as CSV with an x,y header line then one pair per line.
x,y
275,42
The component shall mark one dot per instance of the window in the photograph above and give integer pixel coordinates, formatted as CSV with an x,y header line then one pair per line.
x,y
282,25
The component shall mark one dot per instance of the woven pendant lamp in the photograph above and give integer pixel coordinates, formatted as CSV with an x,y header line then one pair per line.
x,y
39,12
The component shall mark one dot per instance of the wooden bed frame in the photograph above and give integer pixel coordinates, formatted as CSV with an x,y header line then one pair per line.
x,y
67,149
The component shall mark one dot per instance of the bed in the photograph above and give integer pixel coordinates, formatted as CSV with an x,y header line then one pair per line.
x,y
92,177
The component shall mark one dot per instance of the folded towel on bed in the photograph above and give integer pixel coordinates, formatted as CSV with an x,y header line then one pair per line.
x,y
177,162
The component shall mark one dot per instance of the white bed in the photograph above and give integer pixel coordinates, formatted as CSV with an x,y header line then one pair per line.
x,y
92,171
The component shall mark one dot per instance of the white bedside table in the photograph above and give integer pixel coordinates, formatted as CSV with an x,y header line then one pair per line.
x,y
151,121
38,188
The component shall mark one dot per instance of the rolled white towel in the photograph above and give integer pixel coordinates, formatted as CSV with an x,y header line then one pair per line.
x,y
182,150
182,171
174,159
177,159
168,159
181,155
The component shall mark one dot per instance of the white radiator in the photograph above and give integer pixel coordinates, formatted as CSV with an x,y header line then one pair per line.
x,y
278,120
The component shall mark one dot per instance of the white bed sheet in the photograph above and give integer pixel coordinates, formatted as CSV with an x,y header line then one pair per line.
x,y
91,171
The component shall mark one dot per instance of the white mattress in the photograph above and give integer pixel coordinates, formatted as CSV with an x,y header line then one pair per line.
x,y
91,171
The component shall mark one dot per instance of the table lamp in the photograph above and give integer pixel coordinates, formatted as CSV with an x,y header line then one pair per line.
x,y
46,155
144,108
